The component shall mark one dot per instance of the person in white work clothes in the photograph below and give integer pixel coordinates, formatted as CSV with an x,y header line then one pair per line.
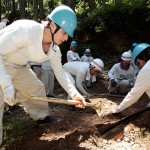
x,y
3,23
141,56
27,40
121,76
87,56
72,54
83,71
48,77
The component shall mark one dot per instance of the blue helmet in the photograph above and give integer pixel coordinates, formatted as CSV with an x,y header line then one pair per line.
x,y
65,18
138,49
134,44
73,43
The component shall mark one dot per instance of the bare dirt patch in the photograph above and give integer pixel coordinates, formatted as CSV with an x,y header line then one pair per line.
x,y
82,129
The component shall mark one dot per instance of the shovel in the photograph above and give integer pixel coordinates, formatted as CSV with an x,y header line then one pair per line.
x,y
56,100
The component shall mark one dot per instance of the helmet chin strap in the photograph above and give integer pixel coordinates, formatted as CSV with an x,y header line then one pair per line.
x,y
58,27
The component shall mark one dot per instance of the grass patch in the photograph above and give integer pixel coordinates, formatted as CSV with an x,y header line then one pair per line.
x,y
14,129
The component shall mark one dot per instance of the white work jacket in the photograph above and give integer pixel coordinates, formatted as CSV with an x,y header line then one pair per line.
x,y
87,59
2,25
21,42
72,56
142,84
118,73
79,70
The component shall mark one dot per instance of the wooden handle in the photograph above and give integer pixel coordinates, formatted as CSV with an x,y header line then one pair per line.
x,y
51,100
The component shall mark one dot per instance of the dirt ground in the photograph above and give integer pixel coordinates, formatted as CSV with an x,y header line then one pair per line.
x,y
84,129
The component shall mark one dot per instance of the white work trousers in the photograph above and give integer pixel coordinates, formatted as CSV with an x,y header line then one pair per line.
x,y
24,80
48,80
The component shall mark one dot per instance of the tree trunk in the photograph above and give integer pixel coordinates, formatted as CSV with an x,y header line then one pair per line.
x,y
13,6
91,4
0,9
22,9
51,5
41,9
35,10
71,3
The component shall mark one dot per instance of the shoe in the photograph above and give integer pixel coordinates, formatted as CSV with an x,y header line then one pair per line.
x,y
51,96
47,120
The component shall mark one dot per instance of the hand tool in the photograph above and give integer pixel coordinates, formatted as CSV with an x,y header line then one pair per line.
x,y
93,105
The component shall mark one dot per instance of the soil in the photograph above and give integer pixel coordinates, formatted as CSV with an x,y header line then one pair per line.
x,y
83,129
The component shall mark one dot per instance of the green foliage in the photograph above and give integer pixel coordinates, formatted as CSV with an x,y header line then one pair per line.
x,y
119,23
95,49
111,24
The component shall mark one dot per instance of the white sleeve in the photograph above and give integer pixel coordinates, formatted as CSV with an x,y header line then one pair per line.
x,y
82,59
78,57
142,84
111,72
92,59
2,25
10,41
79,80
70,56
62,76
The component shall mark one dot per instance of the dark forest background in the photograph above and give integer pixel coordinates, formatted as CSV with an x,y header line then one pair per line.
x,y
107,27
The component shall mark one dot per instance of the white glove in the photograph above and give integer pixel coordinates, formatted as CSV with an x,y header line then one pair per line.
x,y
9,94
115,111
82,102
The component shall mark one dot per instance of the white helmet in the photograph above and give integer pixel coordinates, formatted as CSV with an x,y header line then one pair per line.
x,y
87,51
126,56
98,64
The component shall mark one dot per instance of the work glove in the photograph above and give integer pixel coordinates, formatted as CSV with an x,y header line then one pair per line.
x,y
115,111
113,83
9,94
82,102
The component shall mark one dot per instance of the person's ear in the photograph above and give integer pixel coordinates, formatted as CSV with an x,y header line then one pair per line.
x,y
53,26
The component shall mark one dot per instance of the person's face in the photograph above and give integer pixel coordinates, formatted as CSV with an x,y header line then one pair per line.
x,y
74,48
60,36
140,63
88,54
94,71
126,62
